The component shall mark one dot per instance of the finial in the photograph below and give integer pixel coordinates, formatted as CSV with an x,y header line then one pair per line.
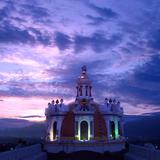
x,y
110,100
61,100
52,102
49,104
57,101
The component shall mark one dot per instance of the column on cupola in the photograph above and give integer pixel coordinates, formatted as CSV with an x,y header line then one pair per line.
x,y
86,90
77,91
90,92
83,90
80,90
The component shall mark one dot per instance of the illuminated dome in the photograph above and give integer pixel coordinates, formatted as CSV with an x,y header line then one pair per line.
x,y
85,120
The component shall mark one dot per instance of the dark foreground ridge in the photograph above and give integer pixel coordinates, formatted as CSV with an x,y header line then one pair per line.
x,y
83,155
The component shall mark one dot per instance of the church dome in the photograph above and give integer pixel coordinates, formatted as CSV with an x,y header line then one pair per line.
x,y
84,119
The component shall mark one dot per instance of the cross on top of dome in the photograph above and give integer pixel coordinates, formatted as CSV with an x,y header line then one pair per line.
x,y
84,72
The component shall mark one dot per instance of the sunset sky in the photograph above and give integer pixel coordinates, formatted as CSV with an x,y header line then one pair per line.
x,y
44,43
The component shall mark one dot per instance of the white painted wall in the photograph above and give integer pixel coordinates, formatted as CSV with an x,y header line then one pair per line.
x,y
114,118
59,120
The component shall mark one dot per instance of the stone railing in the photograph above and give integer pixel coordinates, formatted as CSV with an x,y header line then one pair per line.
x,y
99,147
53,111
27,153
142,153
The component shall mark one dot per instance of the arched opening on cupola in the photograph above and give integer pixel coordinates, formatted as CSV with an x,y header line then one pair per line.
x,y
112,130
84,130
119,128
55,130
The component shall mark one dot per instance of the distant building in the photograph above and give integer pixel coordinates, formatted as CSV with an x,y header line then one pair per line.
x,y
84,124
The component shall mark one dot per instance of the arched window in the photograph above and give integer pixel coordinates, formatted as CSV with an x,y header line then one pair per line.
x,y
84,130
112,130
54,130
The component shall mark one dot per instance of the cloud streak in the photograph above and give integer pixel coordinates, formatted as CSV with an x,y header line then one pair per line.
x,y
43,45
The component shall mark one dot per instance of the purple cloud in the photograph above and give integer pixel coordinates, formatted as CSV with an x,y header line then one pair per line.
x,y
43,45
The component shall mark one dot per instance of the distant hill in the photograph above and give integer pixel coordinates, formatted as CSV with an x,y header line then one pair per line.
x,y
35,130
141,127
14,123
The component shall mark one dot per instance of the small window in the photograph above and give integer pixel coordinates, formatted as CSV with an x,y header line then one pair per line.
x,y
54,130
112,130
